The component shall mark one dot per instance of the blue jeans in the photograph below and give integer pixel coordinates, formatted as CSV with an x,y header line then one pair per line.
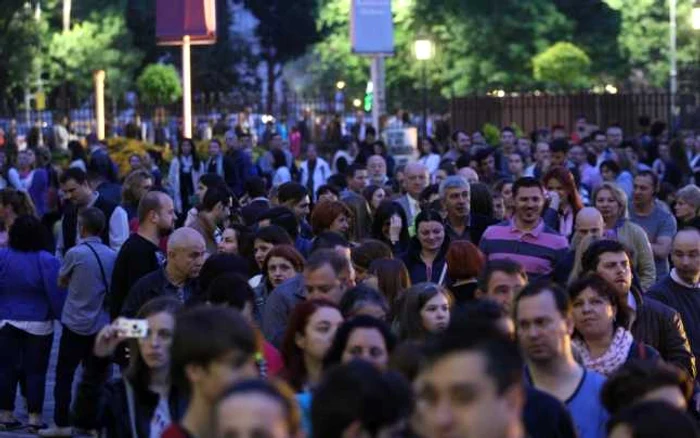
x,y
30,353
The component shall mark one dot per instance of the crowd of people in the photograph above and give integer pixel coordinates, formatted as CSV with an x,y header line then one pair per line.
x,y
548,286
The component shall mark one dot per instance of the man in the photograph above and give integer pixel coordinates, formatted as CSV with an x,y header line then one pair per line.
x,y
79,196
356,178
544,322
359,129
85,271
186,251
654,323
257,200
543,158
588,222
460,224
681,288
376,169
358,400
501,281
314,171
416,180
460,145
266,161
659,223
296,197
468,174
486,164
213,348
220,164
590,176
525,238
600,148
214,210
614,137
327,275
102,178
508,142
241,164
141,253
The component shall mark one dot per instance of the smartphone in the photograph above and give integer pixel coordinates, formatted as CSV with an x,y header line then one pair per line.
x,y
132,328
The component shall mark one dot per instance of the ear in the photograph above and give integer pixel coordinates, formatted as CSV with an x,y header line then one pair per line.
x,y
478,294
569,325
514,398
194,373
300,341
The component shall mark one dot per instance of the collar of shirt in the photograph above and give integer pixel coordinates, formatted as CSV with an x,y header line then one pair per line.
x,y
95,195
413,204
92,239
679,280
535,232
631,301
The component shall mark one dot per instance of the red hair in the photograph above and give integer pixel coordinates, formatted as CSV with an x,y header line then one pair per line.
x,y
464,260
566,179
325,212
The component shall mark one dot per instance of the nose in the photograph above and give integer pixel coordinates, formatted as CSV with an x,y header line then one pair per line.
x,y
444,418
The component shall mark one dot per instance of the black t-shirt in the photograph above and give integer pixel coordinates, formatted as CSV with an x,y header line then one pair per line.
x,y
137,257
546,417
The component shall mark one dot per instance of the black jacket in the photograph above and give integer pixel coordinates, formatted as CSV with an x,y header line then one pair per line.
x,y
661,327
154,285
417,269
104,406
475,229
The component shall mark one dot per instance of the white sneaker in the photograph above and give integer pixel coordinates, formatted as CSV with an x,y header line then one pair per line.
x,y
56,431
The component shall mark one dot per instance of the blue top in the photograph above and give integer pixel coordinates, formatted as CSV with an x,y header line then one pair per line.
x,y
29,286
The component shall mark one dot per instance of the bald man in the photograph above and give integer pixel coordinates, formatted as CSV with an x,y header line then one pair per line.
x,y
186,253
469,174
681,288
416,179
589,222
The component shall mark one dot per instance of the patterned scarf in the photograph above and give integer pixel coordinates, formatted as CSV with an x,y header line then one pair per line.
x,y
612,359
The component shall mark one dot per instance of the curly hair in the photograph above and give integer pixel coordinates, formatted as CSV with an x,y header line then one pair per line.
x,y
325,213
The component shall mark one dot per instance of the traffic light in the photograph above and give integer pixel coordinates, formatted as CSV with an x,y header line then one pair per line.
x,y
369,97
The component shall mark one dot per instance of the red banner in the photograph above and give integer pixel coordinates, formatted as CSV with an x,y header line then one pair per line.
x,y
177,18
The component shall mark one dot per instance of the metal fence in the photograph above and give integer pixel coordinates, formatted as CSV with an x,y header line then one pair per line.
x,y
537,110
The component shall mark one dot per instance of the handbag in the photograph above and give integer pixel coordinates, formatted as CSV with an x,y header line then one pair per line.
x,y
102,272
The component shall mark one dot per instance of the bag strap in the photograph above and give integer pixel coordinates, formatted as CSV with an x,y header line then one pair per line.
x,y
442,274
102,269
131,407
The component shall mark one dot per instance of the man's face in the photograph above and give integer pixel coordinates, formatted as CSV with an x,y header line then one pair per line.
x,y
488,165
543,332
559,158
599,143
524,146
685,256
528,202
507,139
614,137
323,283
358,181
503,287
189,258
220,374
78,194
515,164
643,190
457,397
615,268
376,167
590,227
456,201
302,208
578,155
165,216
248,415
311,152
145,187
478,138
214,149
463,142
416,181
542,153
222,211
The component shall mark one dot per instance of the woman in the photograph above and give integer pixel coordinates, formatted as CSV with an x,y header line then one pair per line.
x,y
13,204
374,195
281,263
464,263
281,172
687,206
143,402
331,216
185,170
29,302
77,155
135,162
504,188
136,185
364,254
611,201
425,311
229,241
447,168
428,155
391,227
327,192
312,327
206,181
612,173
362,337
568,202
265,239
34,181
425,258
392,280
601,337
481,201
364,300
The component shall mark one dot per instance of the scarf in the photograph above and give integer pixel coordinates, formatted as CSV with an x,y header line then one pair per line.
x,y
612,359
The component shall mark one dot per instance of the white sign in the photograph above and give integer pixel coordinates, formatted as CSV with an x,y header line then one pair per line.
x,y
371,27
402,144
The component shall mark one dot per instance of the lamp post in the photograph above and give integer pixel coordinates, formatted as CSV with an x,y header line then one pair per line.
x,y
695,17
424,52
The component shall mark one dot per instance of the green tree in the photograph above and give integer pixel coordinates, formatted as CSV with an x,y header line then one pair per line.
x,y
159,84
563,65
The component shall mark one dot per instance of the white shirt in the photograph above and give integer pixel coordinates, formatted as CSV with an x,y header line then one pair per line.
x,y
161,417
36,328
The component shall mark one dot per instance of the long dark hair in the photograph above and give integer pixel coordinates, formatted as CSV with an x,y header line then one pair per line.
x,y
384,212
195,157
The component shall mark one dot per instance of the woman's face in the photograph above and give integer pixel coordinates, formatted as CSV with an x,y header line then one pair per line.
x,y
664,152
607,174
431,235
229,241
377,198
328,196
134,161
366,344
279,270
341,224
507,194
378,150
683,210
593,314
607,205
426,147
186,148
387,224
499,208
260,250
554,185
435,314
155,347
319,332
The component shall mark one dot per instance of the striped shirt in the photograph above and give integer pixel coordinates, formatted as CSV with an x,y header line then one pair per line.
x,y
537,250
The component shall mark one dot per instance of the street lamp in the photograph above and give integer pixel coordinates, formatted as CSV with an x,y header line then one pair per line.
x,y
695,17
340,85
424,51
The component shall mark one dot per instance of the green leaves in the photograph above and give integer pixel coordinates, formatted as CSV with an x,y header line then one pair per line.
x,y
562,65
159,84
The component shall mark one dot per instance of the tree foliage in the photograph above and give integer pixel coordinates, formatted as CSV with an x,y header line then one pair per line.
x,y
563,65
159,84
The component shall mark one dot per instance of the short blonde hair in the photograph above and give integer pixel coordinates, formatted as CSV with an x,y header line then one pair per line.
x,y
690,194
617,193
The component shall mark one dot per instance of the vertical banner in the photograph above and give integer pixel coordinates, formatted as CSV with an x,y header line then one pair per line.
x,y
371,27
177,18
